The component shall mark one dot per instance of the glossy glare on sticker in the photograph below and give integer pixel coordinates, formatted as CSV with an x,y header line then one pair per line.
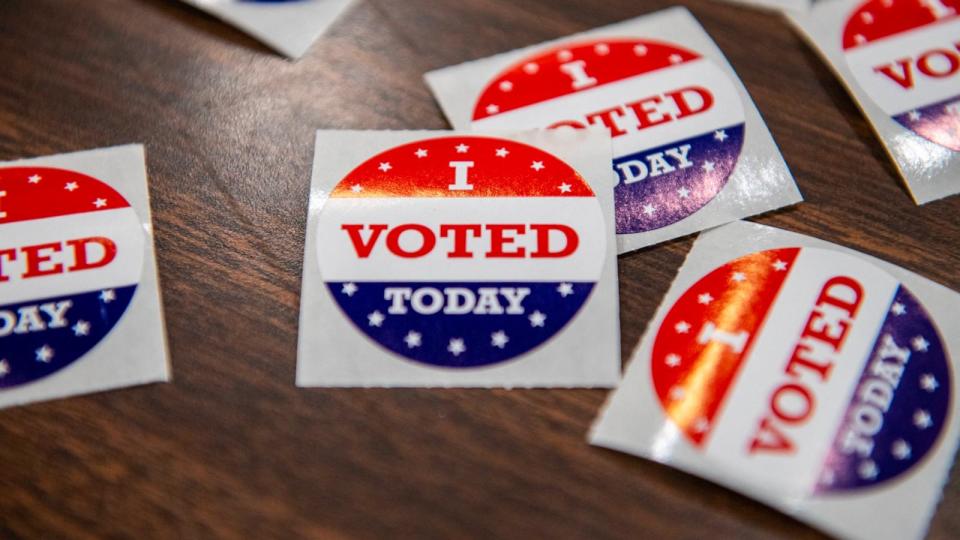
x,y
805,359
675,118
905,54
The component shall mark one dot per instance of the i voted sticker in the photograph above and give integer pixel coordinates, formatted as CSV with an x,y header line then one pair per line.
x,y
807,365
675,117
905,54
461,251
71,255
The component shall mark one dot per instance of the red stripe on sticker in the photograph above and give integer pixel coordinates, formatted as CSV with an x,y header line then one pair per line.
x,y
708,333
568,69
28,193
878,19
464,166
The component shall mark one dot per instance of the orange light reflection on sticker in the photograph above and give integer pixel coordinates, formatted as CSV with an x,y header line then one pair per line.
x,y
719,338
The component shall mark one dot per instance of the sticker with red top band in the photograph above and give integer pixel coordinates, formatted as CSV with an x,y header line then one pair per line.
x,y
461,251
905,54
71,254
675,117
804,360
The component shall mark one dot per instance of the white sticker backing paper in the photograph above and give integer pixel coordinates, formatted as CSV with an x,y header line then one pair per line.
x,y
690,149
79,301
777,5
439,258
809,376
900,59
287,26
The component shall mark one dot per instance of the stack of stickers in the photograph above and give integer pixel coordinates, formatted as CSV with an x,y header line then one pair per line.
x,y
458,259
809,376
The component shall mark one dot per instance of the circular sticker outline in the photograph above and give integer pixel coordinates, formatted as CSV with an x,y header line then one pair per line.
x,y
644,206
818,486
120,298
341,186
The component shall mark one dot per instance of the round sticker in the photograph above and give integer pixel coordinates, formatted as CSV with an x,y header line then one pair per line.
x,y
71,252
674,115
461,251
905,54
808,364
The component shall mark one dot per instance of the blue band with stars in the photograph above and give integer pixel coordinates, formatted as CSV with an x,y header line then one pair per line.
x,y
41,337
455,340
900,405
662,200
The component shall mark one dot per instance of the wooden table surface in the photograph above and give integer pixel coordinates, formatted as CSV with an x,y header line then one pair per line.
x,y
231,448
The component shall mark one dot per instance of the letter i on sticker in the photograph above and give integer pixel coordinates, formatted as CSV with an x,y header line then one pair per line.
x,y
857,397
461,251
905,54
71,251
676,119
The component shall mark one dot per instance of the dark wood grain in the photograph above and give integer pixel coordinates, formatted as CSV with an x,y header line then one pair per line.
x,y
231,448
